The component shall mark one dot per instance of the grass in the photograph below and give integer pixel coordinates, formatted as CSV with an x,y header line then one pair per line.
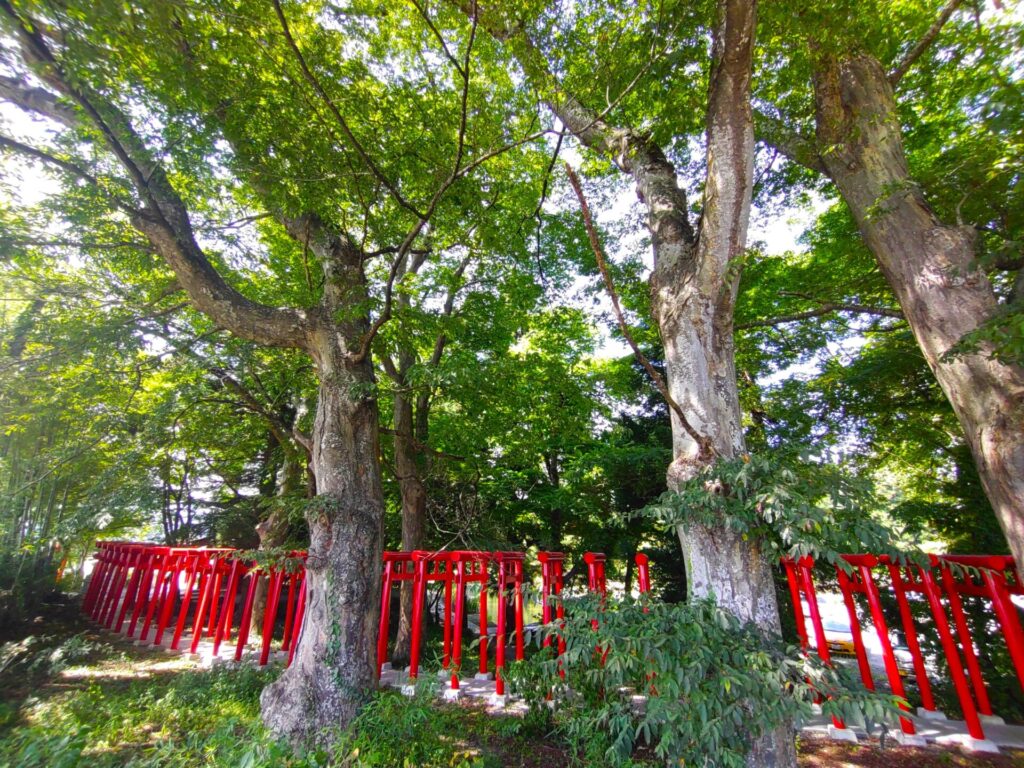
x,y
116,710
72,696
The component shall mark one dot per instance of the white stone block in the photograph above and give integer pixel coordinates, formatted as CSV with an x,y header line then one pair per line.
x,y
452,694
909,739
842,734
931,714
969,743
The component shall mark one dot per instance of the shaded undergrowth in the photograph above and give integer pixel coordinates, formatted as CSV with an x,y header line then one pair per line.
x,y
82,698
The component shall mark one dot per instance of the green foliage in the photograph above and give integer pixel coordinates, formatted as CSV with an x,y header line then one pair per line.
x,y
711,684
193,718
859,391
35,657
791,506
1000,337
279,558
115,710
408,732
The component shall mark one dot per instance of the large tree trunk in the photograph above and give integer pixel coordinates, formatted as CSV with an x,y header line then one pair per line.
x,y
694,290
334,670
930,267
408,467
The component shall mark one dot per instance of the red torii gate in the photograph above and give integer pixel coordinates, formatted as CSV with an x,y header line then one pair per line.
x,y
135,582
946,577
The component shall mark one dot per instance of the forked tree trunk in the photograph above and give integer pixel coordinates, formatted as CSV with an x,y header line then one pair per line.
x,y
930,267
694,289
408,467
334,670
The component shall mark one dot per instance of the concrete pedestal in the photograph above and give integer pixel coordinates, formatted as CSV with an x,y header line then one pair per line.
x,y
909,740
969,743
842,734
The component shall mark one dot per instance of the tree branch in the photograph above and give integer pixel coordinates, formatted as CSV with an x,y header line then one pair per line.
x,y
826,308
631,151
458,172
284,432
421,447
391,249
164,220
314,82
440,38
789,143
702,440
464,104
81,244
446,311
391,369
37,100
922,45
70,168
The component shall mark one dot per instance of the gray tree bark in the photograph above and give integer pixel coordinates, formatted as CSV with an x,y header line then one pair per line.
x,y
334,669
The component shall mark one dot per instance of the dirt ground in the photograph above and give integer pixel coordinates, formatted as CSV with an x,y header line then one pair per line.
x,y
819,752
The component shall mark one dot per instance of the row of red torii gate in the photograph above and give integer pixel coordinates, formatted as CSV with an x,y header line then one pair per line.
x,y
157,591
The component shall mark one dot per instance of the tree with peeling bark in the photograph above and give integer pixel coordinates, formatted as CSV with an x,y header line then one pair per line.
x,y
922,151
695,277
342,139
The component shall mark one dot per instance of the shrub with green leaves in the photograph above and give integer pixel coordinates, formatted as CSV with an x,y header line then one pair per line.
x,y
396,731
686,679
791,505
